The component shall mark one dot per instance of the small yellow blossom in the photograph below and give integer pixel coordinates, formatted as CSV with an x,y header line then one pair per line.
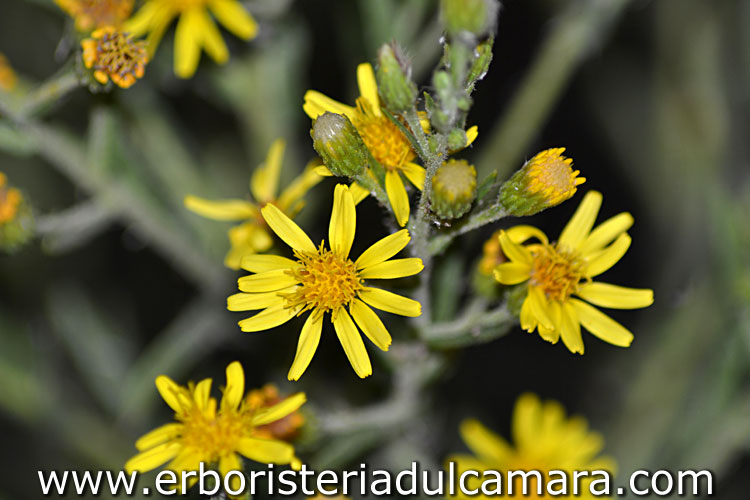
x,y
323,281
492,255
543,440
557,272
286,428
196,29
10,200
213,433
7,75
114,55
545,181
252,235
94,14
385,141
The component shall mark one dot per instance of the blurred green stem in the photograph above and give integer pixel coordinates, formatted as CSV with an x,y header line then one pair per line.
x,y
475,221
50,92
576,33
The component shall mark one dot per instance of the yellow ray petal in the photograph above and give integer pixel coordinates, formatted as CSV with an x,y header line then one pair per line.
x,y
471,135
265,180
579,226
158,436
484,443
233,16
280,410
539,307
266,451
316,104
521,234
211,37
169,390
528,320
525,422
571,329
343,221
370,324
383,249
512,273
392,269
287,230
352,343
601,325
514,252
368,86
230,210
298,188
615,297
268,318
268,281
606,232
187,48
551,333
235,387
228,463
306,346
394,188
143,20
601,261
415,173
202,393
260,263
358,192
390,302
254,301
153,458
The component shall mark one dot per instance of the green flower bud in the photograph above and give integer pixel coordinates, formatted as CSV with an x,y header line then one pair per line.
x,y
476,17
339,145
546,180
454,188
482,60
395,86
456,139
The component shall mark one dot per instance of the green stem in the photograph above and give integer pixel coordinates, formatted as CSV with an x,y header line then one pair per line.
x,y
50,92
475,221
473,327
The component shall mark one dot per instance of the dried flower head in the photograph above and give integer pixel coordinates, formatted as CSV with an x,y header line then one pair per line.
x,y
115,55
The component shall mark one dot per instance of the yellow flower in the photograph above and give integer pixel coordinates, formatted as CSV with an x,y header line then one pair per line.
x,y
94,14
10,200
543,439
286,428
326,281
252,235
114,55
492,255
556,272
7,75
387,144
196,29
212,433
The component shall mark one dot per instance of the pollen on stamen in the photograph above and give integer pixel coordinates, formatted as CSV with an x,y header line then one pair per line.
x,y
327,281
556,273
387,144
115,55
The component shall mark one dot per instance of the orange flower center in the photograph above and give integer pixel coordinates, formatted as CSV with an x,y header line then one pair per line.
x,y
552,176
387,144
328,281
116,55
556,273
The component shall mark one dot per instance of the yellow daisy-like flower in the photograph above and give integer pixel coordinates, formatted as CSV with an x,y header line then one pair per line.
x,y
212,433
543,440
286,428
387,144
557,272
252,235
7,75
492,255
115,55
94,14
196,30
323,281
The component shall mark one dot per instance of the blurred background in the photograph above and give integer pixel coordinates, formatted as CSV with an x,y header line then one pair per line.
x,y
650,98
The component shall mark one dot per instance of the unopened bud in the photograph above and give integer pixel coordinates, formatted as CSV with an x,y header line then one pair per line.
x,y
339,145
476,17
454,188
16,219
395,86
546,180
456,139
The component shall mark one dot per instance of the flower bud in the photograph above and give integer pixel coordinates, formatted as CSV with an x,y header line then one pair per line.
x,y
546,180
16,220
469,16
7,75
339,145
454,188
456,139
395,86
